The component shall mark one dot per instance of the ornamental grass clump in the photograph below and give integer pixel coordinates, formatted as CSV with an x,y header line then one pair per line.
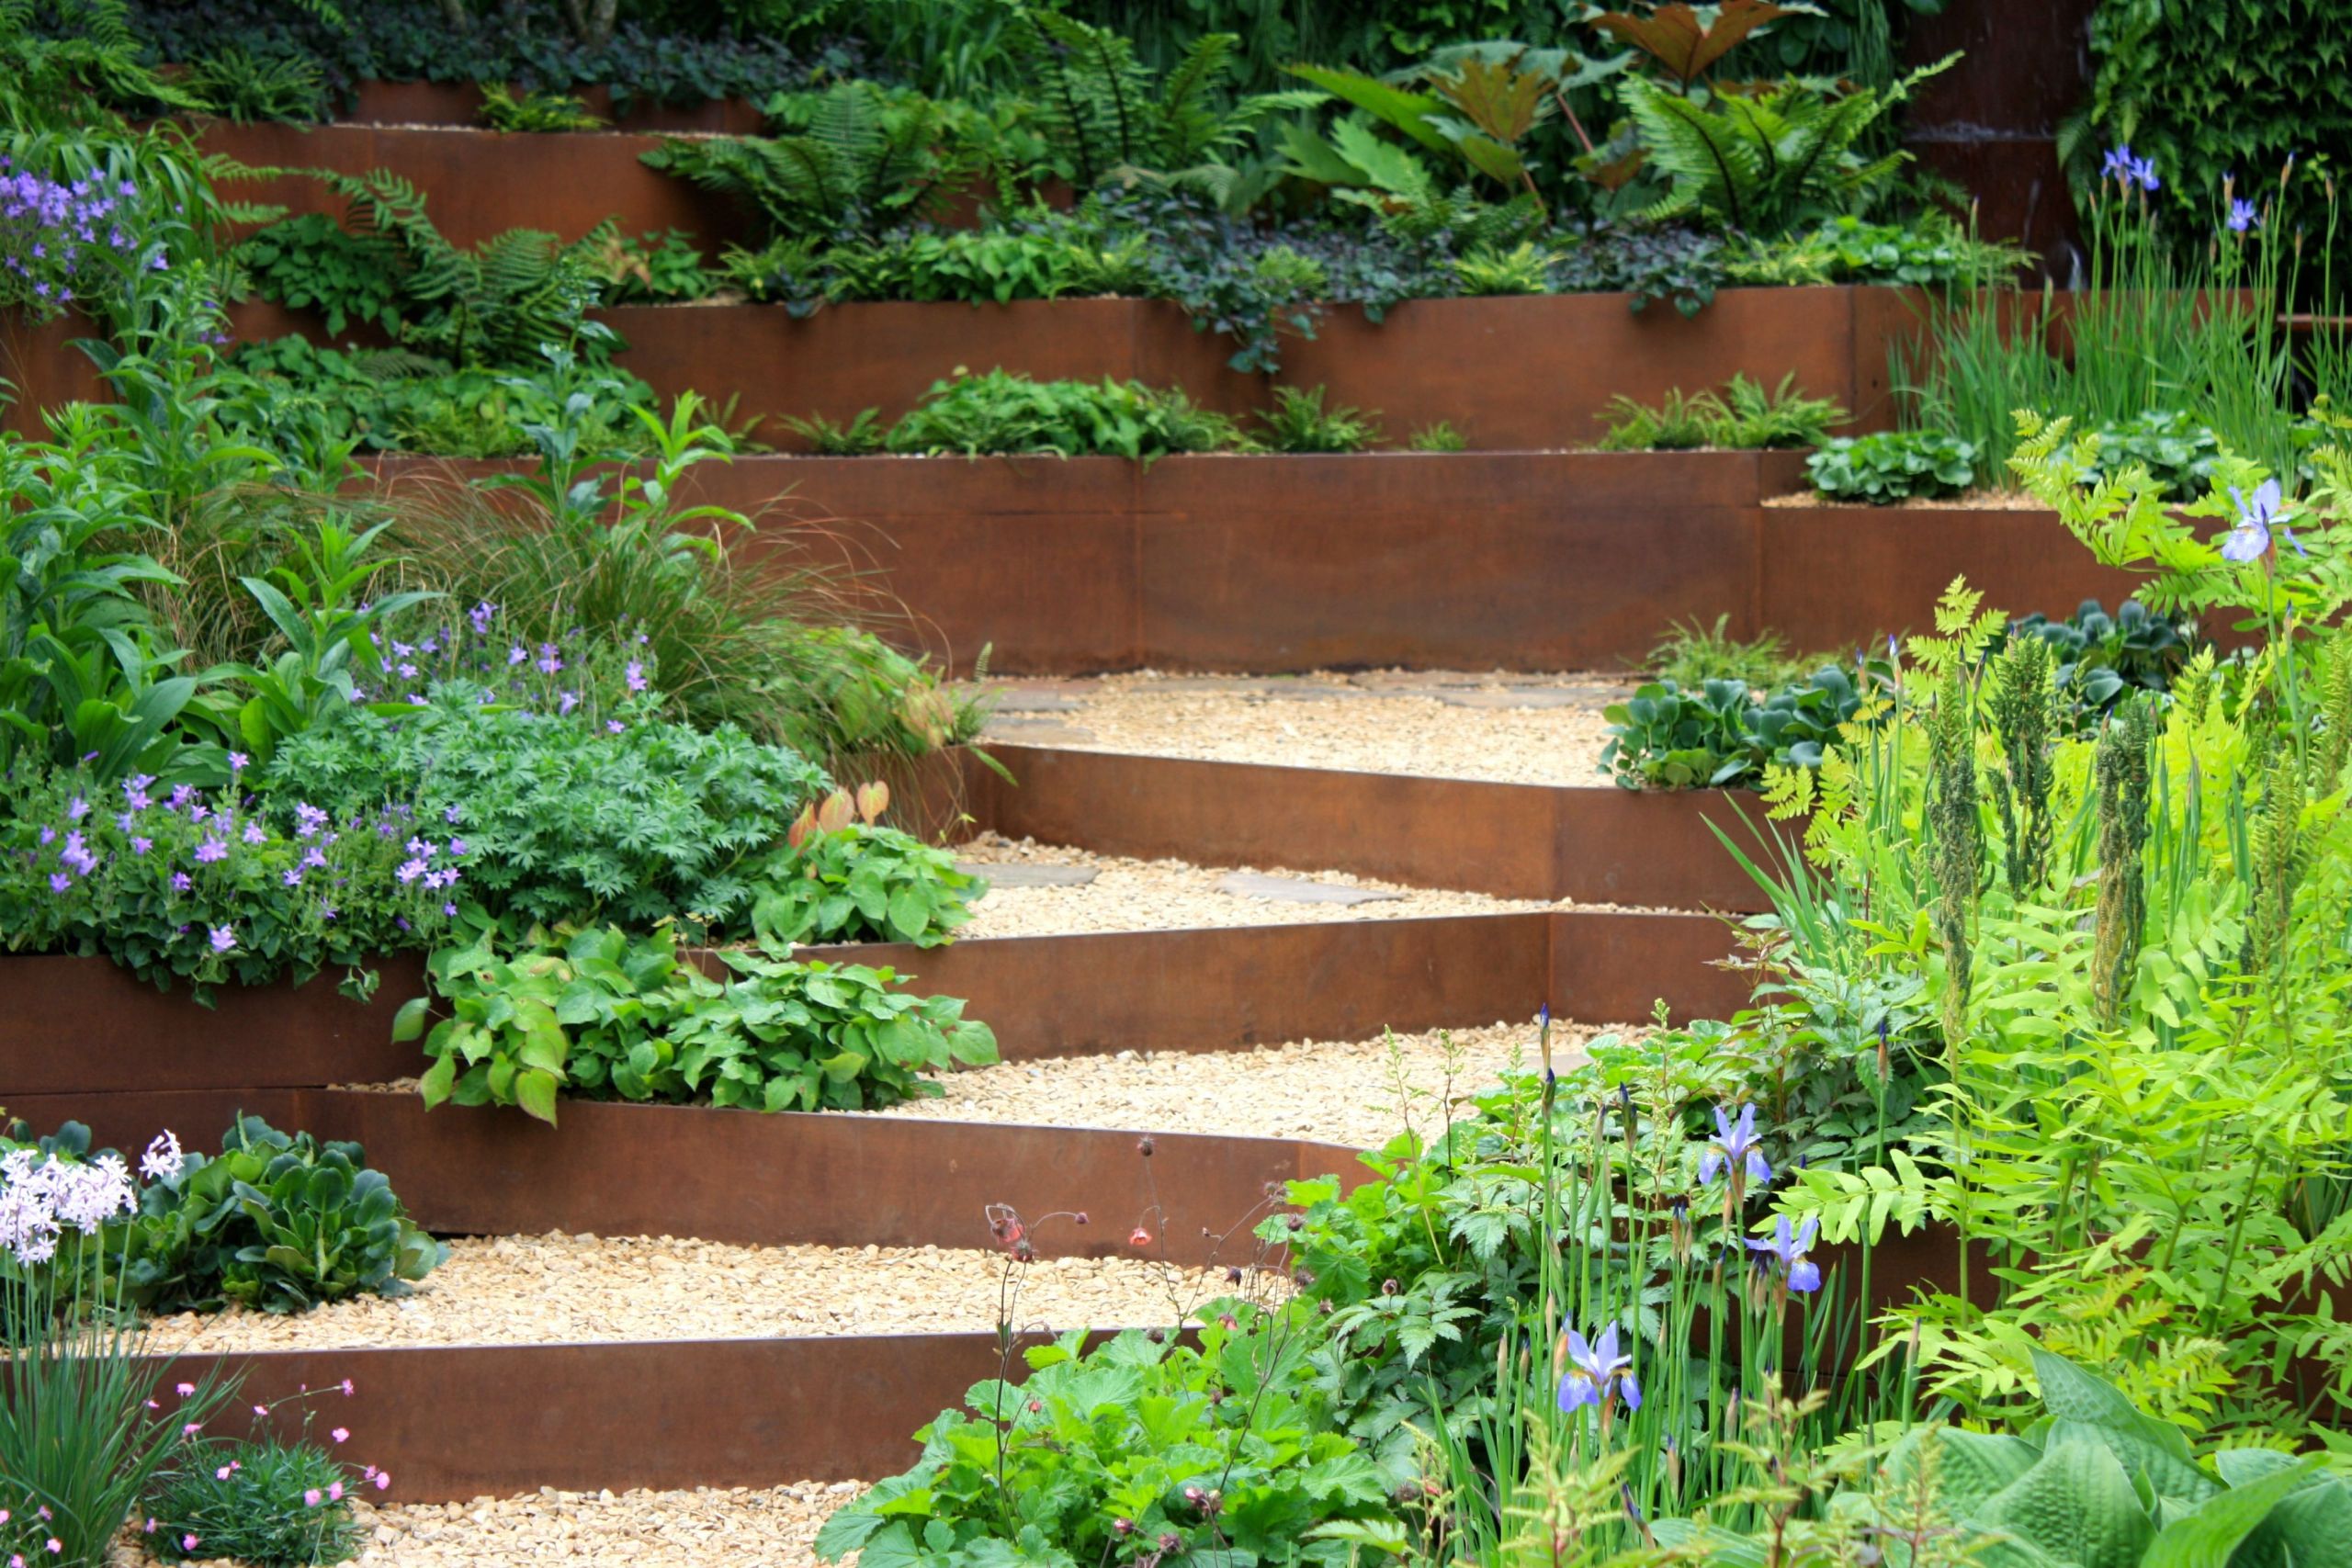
x,y
84,1428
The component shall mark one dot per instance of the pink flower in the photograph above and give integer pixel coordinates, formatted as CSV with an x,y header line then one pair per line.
x,y
186,1390
311,1498
346,1387
221,1474
261,1409
341,1434
191,1429
334,1490
383,1480
188,1542
1139,1238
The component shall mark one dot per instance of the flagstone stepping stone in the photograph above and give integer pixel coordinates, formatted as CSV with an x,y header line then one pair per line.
x,y
1022,873
1294,890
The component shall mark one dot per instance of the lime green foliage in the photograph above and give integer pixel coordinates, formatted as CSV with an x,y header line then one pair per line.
x,y
1005,411
537,110
1440,436
1892,466
1692,654
2147,1113
1929,249
1227,1446
1299,422
599,1014
1744,416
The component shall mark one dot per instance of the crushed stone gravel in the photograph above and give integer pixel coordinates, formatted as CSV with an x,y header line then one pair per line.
x,y
1551,730
1128,895
1360,1093
557,1289
773,1527
1167,894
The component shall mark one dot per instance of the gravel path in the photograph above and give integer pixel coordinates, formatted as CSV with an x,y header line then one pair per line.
x,y
1545,729
771,1528
560,1289
1167,895
1341,1092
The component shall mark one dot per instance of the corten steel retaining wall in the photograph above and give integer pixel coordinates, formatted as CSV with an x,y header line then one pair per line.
x,y
79,1030
1518,560
1509,373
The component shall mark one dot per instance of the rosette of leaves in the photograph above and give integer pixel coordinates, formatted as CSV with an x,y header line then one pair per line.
x,y
2101,657
849,879
1892,466
1722,736
277,1222
1005,411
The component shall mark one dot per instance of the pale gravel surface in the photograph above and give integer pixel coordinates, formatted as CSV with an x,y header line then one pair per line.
x,y
1382,722
1167,894
741,1528
1354,1092
560,1289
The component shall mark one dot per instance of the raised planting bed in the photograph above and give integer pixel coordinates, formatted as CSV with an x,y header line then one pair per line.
x,y
826,1179
479,183
1467,362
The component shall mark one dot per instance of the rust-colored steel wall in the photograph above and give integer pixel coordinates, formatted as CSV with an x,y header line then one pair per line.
x,y
825,1178
1597,845
1468,362
1836,577
452,1423
1225,989
565,185
82,1026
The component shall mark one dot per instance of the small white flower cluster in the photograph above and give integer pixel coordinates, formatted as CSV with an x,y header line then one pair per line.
x,y
42,1196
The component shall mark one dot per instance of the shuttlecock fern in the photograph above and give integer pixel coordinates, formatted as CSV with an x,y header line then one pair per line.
x,y
1768,161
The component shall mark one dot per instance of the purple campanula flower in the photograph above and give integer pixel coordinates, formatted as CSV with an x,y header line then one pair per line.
x,y
180,883
139,845
58,882
211,850
635,675
223,938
